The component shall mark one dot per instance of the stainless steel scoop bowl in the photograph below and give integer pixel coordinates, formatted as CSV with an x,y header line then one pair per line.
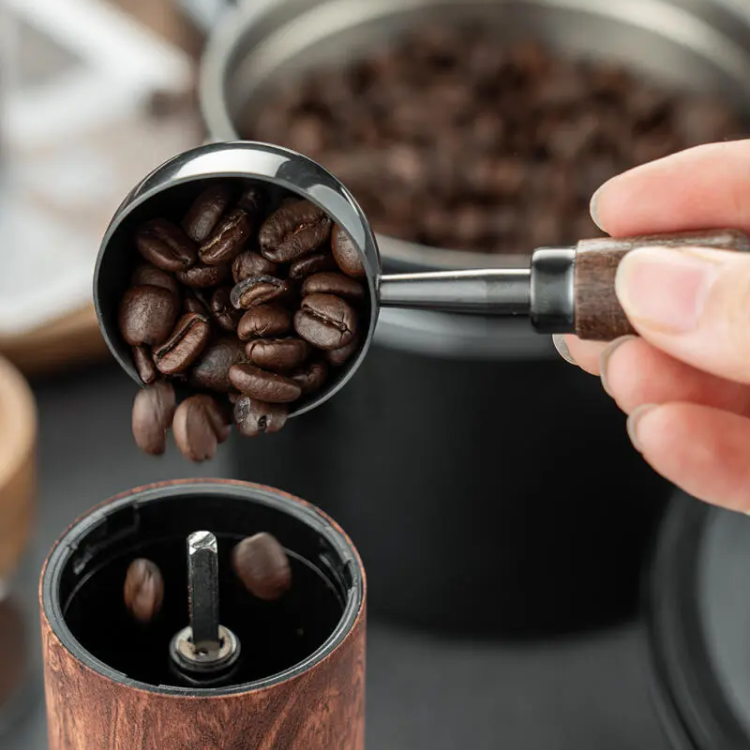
x,y
169,189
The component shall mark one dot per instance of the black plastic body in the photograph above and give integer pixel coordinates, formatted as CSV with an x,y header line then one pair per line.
x,y
83,583
486,497
697,613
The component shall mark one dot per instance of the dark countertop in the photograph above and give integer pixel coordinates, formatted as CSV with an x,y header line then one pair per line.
x,y
423,692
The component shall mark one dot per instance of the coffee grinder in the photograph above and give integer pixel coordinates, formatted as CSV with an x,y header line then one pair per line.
x,y
216,668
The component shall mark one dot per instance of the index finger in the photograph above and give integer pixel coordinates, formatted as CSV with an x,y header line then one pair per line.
x,y
706,187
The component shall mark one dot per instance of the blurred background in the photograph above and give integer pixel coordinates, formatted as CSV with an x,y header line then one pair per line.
x,y
507,527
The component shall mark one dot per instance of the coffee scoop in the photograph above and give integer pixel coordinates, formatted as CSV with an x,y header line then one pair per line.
x,y
564,290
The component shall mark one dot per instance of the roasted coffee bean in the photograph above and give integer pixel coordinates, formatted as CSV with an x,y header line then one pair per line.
x,y
144,364
207,209
251,263
437,134
196,303
149,275
203,277
310,264
253,201
228,239
153,410
263,385
211,369
222,310
294,230
235,345
183,347
326,321
346,254
259,290
147,315
262,565
277,355
338,357
165,245
254,417
143,591
311,376
331,282
264,321
200,425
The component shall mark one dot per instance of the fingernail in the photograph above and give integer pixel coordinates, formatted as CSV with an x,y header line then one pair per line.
x,y
558,339
605,357
594,206
664,288
633,422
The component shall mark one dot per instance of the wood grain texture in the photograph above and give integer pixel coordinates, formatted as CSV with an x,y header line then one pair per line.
x,y
321,709
598,314
18,429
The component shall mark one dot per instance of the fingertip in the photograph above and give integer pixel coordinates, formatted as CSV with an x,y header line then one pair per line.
x,y
558,339
635,425
605,359
586,354
594,209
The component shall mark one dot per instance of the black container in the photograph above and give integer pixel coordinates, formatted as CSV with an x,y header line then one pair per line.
x,y
471,459
698,610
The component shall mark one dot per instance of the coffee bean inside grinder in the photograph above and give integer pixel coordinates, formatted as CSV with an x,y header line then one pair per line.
x,y
206,652
242,301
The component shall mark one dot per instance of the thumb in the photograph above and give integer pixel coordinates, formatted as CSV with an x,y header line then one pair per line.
x,y
693,303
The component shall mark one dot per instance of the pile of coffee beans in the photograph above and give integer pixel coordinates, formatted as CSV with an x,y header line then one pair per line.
x,y
248,306
259,562
451,139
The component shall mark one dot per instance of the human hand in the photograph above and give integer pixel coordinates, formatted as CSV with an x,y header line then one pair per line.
x,y
685,384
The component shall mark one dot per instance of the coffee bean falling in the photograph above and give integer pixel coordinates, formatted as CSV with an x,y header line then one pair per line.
x,y
248,306
143,591
262,565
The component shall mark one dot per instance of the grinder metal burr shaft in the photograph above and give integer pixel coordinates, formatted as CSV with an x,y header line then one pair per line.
x,y
565,290
203,589
205,651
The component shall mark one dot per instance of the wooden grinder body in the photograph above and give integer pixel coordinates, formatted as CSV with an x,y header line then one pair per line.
x,y
319,706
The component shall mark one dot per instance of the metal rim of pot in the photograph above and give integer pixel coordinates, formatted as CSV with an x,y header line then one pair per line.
x,y
693,702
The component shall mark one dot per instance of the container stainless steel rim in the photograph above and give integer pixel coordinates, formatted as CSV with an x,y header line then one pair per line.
x,y
709,36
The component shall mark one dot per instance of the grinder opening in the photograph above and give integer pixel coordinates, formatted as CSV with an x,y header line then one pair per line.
x,y
275,636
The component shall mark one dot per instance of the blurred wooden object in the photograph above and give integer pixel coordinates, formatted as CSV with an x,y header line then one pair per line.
x,y
70,340
166,18
18,431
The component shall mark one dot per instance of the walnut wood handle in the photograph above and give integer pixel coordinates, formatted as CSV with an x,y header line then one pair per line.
x,y
598,314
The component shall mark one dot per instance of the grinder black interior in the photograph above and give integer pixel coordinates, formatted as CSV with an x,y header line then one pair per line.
x,y
83,583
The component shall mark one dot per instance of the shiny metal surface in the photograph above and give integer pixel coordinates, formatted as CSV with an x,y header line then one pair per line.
x,y
277,169
552,299
203,592
489,291
701,45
